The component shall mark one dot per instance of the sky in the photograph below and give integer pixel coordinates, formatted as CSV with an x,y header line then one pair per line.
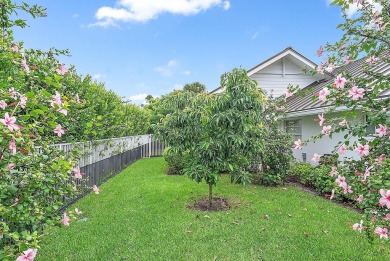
x,y
141,47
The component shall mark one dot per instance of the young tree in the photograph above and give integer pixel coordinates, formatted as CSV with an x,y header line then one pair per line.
x,y
366,180
218,132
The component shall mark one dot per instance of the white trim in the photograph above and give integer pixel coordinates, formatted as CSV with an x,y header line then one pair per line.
x,y
280,56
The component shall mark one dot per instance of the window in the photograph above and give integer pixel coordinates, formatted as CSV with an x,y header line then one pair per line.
x,y
370,129
294,128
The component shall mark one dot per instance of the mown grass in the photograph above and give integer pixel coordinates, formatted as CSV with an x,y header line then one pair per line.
x,y
142,214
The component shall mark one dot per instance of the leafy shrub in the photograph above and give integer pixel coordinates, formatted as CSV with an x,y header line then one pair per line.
x,y
267,178
175,162
323,181
302,172
329,160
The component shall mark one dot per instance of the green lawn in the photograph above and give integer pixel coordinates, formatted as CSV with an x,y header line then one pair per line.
x,y
141,214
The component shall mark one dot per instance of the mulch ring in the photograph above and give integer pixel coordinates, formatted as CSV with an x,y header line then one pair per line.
x,y
203,204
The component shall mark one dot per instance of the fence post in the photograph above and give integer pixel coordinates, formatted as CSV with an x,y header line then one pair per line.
x,y
150,144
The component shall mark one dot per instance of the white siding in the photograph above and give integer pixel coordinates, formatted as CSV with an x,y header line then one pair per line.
x,y
276,77
322,146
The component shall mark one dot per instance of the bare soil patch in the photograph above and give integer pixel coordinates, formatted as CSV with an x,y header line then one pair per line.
x,y
203,204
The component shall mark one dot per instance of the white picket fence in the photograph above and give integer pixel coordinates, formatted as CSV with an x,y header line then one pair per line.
x,y
95,151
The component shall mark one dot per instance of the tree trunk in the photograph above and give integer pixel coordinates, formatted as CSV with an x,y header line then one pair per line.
x,y
210,194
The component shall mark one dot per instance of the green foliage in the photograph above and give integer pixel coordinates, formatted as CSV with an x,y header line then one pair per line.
x,y
158,108
220,132
315,177
271,165
175,162
101,113
302,172
195,87
323,182
33,184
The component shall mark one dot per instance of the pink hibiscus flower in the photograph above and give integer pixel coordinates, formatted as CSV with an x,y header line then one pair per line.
x,y
347,189
63,111
77,98
362,150
65,220
62,70
387,217
15,48
367,172
25,66
23,101
316,157
10,166
341,181
322,119
333,171
12,146
381,232
320,69
382,130
380,159
96,189
298,144
372,60
12,92
287,94
343,123
340,81
326,130
320,51
360,199
77,173
330,68
348,60
355,93
385,199
358,226
59,130
3,105
323,93
342,149
10,122
57,99
28,255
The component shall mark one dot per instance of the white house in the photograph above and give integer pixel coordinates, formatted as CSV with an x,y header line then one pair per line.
x,y
285,68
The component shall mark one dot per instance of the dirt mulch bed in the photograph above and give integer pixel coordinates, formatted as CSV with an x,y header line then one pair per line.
x,y
202,204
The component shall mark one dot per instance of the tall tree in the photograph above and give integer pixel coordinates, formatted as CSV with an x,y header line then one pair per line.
x,y
196,87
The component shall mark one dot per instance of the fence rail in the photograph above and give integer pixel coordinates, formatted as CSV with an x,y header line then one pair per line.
x,y
103,159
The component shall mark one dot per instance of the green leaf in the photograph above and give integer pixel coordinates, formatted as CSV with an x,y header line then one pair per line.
x,y
30,95
48,80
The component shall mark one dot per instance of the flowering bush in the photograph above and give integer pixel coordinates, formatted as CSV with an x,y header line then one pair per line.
x,y
363,178
35,178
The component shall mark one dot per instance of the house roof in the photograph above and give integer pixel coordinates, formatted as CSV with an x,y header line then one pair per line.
x,y
300,103
288,51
